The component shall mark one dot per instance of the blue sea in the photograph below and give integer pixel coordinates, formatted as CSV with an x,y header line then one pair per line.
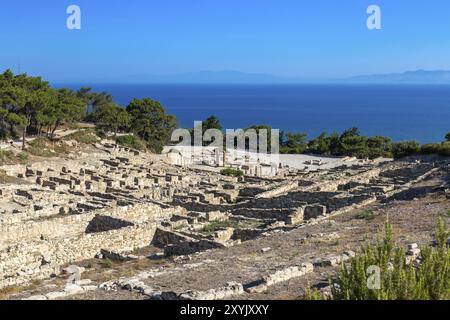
x,y
401,112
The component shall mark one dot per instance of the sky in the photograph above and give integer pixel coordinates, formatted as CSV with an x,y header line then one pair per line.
x,y
311,39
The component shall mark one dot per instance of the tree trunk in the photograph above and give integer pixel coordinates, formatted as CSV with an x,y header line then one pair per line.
x,y
54,129
24,134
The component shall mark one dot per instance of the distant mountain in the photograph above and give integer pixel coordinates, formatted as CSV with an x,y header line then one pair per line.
x,y
237,77
409,77
213,77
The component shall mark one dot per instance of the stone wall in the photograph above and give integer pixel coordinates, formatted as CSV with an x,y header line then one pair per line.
x,y
70,226
38,260
40,248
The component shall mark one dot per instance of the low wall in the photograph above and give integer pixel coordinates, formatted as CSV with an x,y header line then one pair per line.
x,y
38,260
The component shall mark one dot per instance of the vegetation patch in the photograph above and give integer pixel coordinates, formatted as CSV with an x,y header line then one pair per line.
x,y
232,172
44,147
8,291
106,264
367,215
442,148
429,280
83,136
131,141
9,157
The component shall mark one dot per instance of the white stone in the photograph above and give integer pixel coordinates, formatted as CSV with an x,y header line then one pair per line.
x,y
56,295
83,282
72,288
37,297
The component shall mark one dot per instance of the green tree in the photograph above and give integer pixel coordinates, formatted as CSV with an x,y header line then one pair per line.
x,y
3,115
20,121
66,108
112,117
447,136
151,123
295,143
212,123
352,132
379,147
98,100
320,145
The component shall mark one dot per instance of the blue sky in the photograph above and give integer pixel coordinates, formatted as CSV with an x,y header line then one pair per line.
x,y
309,39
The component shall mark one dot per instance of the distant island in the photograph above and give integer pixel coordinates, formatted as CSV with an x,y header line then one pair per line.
x,y
409,77
237,77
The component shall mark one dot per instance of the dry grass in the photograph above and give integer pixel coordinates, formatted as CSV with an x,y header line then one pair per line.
x,y
5,293
8,157
5,179
43,147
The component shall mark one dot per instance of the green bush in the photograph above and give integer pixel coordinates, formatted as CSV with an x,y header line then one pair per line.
x,y
442,148
232,172
405,149
131,141
398,280
367,215
83,136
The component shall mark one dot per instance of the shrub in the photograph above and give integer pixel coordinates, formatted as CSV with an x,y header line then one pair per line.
x,y
405,149
398,280
442,148
232,172
366,215
22,156
9,157
6,155
131,141
83,136
43,147
106,264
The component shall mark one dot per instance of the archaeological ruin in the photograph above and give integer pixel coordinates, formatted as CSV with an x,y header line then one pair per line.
x,y
106,202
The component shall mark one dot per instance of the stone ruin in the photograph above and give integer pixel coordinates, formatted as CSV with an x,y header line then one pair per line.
x,y
115,200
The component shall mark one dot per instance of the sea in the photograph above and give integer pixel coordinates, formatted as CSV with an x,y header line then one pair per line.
x,y
401,112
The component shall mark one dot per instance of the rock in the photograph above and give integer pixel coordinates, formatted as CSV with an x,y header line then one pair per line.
x,y
264,250
230,289
83,282
72,288
412,246
332,261
90,288
223,235
307,267
390,266
350,253
413,252
73,269
37,297
150,292
260,288
56,295
134,257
